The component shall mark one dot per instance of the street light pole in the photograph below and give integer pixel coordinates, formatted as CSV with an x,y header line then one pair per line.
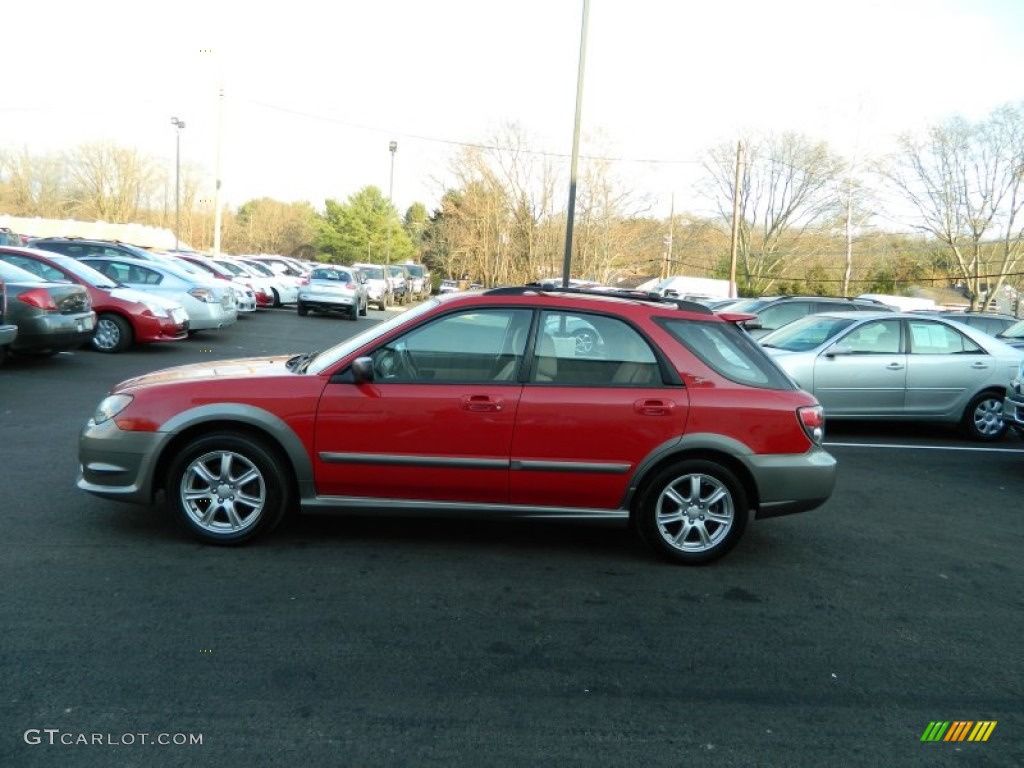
x,y
392,148
179,125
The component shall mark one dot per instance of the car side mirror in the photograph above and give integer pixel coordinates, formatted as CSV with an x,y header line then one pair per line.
x,y
841,348
362,370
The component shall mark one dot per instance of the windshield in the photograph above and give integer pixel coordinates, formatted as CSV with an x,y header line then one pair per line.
x,y
78,269
806,333
415,270
749,305
1015,331
329,357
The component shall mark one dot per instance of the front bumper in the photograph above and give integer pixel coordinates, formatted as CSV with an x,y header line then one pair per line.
x,y
1013,406
116,464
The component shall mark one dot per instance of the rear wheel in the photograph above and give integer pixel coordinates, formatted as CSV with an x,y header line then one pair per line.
x,y
113,334
226,489
983,418
302,309
363,310
692,512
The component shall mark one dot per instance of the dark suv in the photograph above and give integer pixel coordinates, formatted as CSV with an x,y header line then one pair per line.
x,y
79,248
773,312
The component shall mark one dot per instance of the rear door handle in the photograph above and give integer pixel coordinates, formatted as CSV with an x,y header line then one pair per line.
x,y
481,403
894,367
653,406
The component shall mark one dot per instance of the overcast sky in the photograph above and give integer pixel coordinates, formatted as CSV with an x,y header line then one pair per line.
x,y
314,91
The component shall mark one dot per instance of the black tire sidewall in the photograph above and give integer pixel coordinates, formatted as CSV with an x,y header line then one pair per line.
x,y
125,329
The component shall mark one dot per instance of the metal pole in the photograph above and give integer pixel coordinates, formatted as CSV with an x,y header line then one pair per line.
x,y
178,125
392,148
567,261
735,223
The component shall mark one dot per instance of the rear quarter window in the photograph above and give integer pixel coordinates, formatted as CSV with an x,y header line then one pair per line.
x,y
729,352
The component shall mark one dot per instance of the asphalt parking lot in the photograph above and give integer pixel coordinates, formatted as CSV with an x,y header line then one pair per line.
x,y
833,637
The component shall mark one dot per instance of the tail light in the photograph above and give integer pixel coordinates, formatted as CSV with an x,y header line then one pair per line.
x,y
350,286
204,294
38,297
304,281
812,419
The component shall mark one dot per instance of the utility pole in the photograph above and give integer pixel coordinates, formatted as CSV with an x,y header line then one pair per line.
x,y
571,212
392,148
216,190
735,221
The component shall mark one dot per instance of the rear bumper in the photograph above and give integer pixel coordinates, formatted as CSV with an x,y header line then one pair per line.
x,y
788,484
55,332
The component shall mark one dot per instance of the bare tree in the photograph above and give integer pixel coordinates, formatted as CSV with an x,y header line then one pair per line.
x,y
786,190
964,181
111,183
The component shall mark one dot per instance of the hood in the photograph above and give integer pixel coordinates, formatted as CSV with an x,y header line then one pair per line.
x,y
242,368
140,297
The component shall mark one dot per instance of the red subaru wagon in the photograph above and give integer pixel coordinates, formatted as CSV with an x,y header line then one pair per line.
x,y
572,404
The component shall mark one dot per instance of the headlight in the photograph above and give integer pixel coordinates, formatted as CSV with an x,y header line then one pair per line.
x,y
110,407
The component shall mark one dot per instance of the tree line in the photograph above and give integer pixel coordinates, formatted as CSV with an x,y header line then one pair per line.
x,y
943,208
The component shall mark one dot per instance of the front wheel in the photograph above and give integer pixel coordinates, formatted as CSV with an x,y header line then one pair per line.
x,y
113,334
692,512
226,489
983,418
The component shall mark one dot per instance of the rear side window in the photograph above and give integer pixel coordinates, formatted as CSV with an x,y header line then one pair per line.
x,y
730,352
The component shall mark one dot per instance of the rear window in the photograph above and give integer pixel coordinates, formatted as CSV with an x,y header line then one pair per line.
x,y
730,352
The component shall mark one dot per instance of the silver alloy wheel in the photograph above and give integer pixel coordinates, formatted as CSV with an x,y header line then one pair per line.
x,y
988,417
107,335
695,512
223,492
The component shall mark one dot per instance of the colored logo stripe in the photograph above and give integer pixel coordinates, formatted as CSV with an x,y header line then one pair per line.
x,y
958,730
982,730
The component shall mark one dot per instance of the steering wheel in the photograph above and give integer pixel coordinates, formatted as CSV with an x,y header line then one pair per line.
x,y
394,363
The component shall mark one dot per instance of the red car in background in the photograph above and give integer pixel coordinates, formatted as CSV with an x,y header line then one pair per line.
x,y
123,315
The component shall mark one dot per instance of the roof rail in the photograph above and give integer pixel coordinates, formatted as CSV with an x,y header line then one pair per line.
x,y
649,296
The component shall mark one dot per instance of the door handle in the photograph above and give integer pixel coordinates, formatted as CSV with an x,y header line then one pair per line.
x,y
647,406
979,366
894,367
481,403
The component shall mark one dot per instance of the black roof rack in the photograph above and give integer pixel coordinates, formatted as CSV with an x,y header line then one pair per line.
x,y
657,298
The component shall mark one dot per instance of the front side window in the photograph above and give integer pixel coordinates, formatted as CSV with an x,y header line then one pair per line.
x,y
878,337
469,346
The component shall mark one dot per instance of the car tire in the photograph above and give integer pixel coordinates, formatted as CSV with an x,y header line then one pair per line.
x,y
302,309
227,488
113,334
365,309
692,512
353,314
983,418
277,298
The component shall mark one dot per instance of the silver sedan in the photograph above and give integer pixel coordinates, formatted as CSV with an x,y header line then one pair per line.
x,y
885,366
